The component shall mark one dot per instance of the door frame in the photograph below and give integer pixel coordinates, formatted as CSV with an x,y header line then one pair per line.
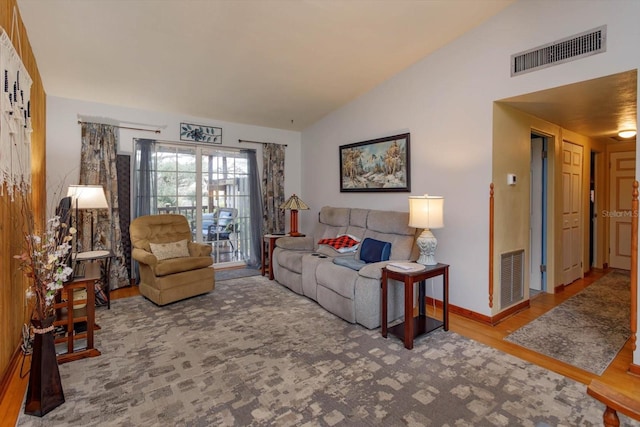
x,y
538,203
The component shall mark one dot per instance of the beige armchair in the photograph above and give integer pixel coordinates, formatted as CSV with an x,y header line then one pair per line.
x,y
172,267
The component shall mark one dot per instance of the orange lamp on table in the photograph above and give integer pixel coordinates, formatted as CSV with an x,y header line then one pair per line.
x,y
294,204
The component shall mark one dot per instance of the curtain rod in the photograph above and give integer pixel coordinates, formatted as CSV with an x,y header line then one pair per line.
x,y
125,127
194,143
258,142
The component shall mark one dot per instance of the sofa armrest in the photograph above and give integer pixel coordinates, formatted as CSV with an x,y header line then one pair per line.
x,y
144,257
295,243
373,270
199,249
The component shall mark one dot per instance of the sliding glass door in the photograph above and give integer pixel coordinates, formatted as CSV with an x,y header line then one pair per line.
x,y
210,187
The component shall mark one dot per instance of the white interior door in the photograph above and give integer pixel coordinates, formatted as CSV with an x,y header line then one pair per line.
x,y
572,161
619,213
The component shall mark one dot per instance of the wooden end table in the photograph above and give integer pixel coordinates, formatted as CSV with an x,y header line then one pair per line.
x,y
413,327
92,257
268,244
69,316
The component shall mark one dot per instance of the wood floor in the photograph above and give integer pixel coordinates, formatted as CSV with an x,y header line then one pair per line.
x,y
615,375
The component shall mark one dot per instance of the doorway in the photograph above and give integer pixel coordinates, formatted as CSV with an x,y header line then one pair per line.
x,y
209,186
622,176
538,216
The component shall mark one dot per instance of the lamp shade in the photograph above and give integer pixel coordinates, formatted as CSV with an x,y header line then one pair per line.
x,y
88,196
426,212
294,203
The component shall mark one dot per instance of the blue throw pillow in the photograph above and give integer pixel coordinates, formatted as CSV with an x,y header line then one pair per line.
x,y
372,250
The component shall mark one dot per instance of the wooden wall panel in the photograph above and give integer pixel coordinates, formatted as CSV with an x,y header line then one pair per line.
x,y
13,308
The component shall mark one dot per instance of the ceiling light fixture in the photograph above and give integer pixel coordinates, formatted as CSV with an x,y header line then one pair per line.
x,y
627,133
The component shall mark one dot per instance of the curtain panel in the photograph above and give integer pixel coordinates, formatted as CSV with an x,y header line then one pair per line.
x,y
144,190
256,210
273,187
98,167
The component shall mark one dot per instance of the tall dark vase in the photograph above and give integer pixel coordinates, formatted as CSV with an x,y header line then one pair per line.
x,y
45,387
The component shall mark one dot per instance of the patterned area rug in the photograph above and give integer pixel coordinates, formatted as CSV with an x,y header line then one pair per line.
x,y
252,353
587,330
235,273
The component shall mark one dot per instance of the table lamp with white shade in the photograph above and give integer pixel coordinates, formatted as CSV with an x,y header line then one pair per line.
x,y
426,212
87,197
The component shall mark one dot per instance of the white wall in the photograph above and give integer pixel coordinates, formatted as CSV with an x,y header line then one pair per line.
x,y
63,138
446,102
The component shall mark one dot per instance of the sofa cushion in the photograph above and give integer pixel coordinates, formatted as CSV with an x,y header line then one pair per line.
x,y
336,217
390,222
338,279
350,262
168,250
290,260
343,243
373,250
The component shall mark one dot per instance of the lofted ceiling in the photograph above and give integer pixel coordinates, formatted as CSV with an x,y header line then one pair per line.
x,y
275,63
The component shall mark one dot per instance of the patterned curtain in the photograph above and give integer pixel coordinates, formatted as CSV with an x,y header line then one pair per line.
x,y
98,166
273,187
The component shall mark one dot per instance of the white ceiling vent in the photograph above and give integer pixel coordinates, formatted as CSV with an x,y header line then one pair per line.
x,y
565,50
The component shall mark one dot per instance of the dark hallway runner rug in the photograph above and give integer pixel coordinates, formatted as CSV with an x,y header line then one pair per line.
x,y
587,330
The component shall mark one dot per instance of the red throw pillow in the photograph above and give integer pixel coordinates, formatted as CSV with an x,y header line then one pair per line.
x,y
343,243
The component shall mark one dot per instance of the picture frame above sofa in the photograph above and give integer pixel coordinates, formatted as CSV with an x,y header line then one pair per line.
x,y
377,165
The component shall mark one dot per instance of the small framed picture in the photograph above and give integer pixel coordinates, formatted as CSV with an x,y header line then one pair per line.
x,y
378,165
199,133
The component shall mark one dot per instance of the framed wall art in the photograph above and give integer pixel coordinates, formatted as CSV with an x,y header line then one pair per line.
x,y
199,133
377,165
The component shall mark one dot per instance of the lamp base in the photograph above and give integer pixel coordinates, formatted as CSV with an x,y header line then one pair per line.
x,y
427,243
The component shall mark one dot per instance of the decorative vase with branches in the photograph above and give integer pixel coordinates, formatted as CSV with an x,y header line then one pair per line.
x,y
45,262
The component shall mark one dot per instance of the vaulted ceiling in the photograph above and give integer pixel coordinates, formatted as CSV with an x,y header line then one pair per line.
x,y
276,63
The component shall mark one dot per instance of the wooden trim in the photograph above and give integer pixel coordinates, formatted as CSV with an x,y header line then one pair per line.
x,y
615,401
5,380
634,265
491,217
472,315
510,312
634,369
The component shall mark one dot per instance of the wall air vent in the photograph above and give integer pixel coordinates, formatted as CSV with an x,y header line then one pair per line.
x,y
569,49
511,278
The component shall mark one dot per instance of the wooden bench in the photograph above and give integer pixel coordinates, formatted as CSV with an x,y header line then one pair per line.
x,y
616,401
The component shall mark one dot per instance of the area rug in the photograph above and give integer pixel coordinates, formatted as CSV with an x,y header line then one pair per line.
x,y
587,330
252,353
235,273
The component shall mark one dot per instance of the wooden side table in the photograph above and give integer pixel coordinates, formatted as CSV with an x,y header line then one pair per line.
x,y
91,257
70,318
268,244
413,327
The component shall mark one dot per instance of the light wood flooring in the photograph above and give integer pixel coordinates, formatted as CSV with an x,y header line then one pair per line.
x,y
615,375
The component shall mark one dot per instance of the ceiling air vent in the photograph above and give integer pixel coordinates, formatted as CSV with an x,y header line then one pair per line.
x,y
565,50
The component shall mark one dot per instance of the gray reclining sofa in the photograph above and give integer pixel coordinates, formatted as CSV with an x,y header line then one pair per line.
x,y
350,289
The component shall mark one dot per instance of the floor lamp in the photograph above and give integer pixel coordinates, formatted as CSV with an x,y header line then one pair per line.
x,y
87,197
